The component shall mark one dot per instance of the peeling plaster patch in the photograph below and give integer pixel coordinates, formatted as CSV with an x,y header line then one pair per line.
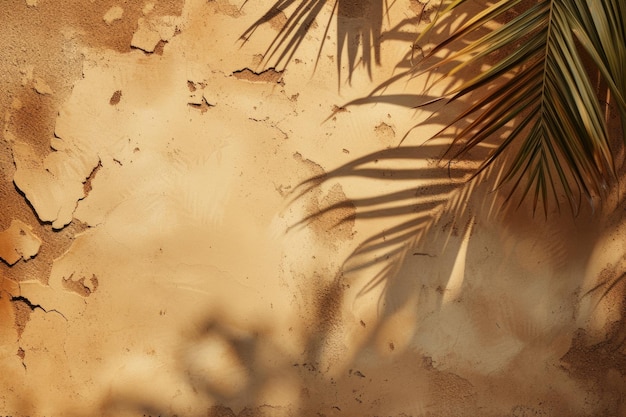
x,y
152,31
18,242
53,200
115,98
22,315
224,7
279,21
340,221
81,286
209,99
257,59
270,75
24,307
54,187
113,14
195,96
87,187
31,3
198,97
316,169
145,38
421,10
383,129
385,133
158,50
41,87
49,298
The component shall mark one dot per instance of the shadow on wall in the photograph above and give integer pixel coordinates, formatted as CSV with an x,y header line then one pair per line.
x,y
432,341
359,30
416,268
386,254
425,193
412,269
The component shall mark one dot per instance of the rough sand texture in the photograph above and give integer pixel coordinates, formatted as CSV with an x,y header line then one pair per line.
x,y
196,225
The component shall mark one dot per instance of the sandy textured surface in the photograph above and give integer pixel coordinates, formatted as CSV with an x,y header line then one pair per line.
x,y
188,229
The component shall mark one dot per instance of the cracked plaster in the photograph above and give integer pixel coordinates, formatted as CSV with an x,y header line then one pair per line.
x,y
183,294
18,242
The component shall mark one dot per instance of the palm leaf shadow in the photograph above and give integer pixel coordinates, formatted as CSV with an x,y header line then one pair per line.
x,y
541,61
425,194
359,31
553,70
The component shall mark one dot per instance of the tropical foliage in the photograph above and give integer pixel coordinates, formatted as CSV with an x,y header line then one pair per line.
x,y
547,87
548,100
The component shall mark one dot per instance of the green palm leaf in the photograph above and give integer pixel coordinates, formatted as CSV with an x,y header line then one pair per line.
x,y
559,141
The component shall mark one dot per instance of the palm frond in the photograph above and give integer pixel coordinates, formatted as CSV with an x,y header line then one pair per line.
x,y
559,139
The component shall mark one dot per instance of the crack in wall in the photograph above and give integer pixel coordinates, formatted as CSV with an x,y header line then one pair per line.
x,y
87,184
270,75
21,353
23,303
203,106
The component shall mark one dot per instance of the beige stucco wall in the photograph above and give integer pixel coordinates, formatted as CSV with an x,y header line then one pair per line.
x,y
160,258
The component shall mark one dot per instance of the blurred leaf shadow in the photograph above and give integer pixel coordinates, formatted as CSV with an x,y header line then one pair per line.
x,y
231,367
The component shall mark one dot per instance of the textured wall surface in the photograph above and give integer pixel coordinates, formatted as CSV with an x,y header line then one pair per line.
x,y
194,223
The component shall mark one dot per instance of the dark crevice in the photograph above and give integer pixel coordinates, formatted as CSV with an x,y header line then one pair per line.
x,y
270,75
203,106
26,301
87,183
21,353
30,205
33,307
